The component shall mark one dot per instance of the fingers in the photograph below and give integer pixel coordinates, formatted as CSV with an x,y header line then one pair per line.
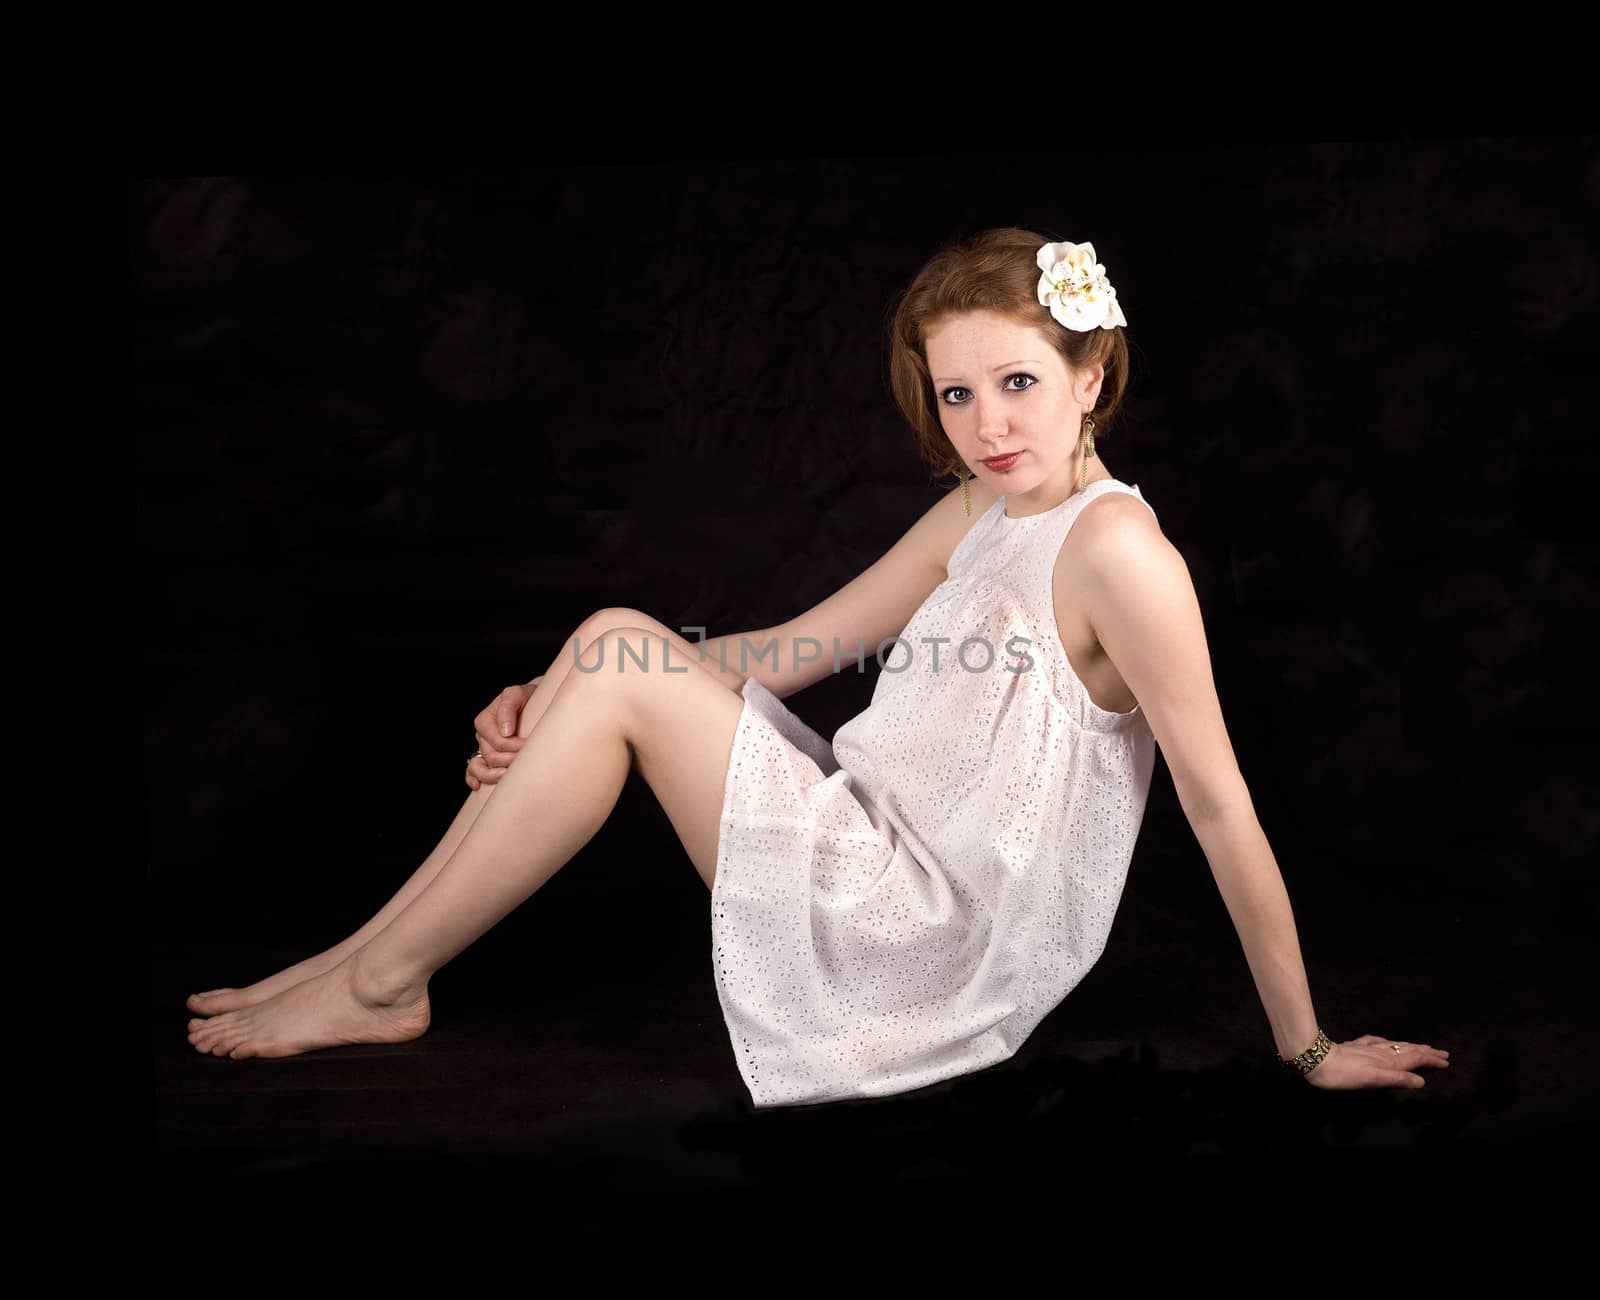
x,y
1417,1056
491,742
1430,1052
1423,1053
489,764
505,713
1378,1062
496,729
499,752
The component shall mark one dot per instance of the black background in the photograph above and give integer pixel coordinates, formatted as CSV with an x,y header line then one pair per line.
x,y
400,436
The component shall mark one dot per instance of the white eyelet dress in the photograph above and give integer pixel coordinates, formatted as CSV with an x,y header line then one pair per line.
x,y
907,904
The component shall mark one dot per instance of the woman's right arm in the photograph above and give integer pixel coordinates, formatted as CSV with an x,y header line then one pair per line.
x,y
870,608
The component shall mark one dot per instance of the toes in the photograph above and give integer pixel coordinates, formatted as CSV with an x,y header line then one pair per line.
x,y
206,1002
207,1034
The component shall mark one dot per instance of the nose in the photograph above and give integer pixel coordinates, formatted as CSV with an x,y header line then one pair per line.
x,y
992,427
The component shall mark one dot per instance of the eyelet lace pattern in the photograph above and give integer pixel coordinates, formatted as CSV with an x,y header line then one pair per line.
x,y
907,903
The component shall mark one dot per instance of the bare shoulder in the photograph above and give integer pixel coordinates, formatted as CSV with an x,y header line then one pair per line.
x,y
1114,535
1113,516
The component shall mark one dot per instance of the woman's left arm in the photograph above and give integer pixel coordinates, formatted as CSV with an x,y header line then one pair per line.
x,y
1142,605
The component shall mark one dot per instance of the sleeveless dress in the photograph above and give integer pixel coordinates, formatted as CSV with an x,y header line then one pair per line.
x,y
906,904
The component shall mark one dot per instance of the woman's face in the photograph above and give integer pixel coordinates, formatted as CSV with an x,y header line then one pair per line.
x,y
1002,389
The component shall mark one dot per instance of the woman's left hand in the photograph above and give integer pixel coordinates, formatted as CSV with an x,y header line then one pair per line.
x,y
1374,1062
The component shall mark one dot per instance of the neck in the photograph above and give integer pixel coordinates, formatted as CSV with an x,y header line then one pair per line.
x,y
1048,495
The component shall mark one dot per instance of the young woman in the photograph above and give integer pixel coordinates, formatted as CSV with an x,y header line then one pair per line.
x,y
904,904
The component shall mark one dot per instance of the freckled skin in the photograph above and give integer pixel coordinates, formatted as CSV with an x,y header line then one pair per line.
x,y
986,409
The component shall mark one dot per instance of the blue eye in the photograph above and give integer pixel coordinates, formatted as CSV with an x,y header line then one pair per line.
x,y
1017,374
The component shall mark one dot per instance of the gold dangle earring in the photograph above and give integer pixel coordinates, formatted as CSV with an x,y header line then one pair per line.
x,y
1088,451
966,492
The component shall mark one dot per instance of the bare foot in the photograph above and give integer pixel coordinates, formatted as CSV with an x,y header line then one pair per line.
x,y
329,1010
217,1001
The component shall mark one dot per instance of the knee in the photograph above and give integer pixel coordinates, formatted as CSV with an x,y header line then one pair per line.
x,y
609,623
612,618
623,647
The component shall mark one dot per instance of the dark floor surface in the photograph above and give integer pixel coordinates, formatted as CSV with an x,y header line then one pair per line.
x,y
505,1083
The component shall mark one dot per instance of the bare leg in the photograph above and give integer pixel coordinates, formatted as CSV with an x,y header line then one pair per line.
x,y
230,999
676,724
601,621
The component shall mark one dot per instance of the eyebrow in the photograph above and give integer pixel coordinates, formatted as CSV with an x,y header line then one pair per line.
x,y
1001,366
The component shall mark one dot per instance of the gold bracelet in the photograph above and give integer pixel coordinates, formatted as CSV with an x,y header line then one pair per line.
x,y
1309,1059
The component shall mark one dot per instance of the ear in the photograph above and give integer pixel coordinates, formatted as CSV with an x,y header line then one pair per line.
x,y
1087,385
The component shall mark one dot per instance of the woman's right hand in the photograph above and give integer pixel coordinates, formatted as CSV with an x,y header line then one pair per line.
x,y
496,729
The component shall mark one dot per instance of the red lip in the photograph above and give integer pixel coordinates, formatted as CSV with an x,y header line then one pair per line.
x,y
1001,462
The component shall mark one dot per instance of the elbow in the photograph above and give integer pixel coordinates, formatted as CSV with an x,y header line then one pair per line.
x,y
1211,801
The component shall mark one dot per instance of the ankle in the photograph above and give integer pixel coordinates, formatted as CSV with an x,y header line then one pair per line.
x,y
379,985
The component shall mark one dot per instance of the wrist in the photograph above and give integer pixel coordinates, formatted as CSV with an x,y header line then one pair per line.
x,y
1299,1041
1312,1056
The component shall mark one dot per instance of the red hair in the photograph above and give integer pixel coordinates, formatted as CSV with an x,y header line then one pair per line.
x,y
994,270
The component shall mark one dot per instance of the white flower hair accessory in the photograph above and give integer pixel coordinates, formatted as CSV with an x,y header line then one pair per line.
x,y
1075,289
